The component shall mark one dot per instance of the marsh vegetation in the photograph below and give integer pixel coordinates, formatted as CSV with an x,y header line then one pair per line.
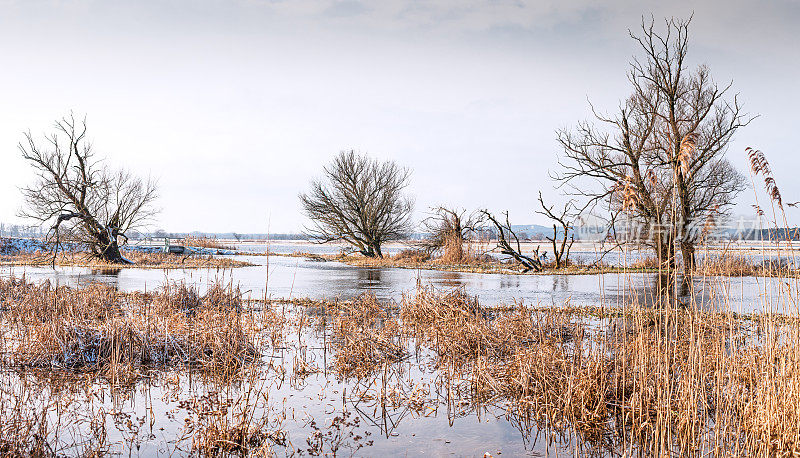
x,y
94,370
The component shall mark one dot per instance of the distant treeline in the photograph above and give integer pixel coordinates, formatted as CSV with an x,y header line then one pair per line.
x,y
239,236
524,232
781,233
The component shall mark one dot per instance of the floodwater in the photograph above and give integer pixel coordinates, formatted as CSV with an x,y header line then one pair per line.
x,y
429,417
411,410
298,277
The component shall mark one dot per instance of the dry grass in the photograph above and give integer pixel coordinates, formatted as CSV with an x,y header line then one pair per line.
x,y
142,260
657,381
205,242
366,337
738,266
97,329
412,256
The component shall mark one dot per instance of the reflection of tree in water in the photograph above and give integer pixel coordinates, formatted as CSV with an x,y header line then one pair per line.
x,y
670,289
451,278
369,276
509,282
107,271
561,283
107,275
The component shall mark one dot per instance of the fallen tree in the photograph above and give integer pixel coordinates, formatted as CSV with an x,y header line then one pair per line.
x,y
506,236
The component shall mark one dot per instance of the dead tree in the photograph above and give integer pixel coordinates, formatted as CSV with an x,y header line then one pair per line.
x,y
360,201
508,244
659,164
80,200
563,219
448,230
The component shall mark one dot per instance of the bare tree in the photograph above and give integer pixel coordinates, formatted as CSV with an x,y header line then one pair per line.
x,y
448,230
509,245
564,219
659,163
361,202
78,198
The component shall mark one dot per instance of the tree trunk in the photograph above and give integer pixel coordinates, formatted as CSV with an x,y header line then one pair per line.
x,y
665,250
556,253
108,250
373,250
689,261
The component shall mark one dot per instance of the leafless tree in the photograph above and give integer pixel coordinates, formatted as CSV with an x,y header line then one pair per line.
x,y
659,164
449,228
360,201
564,219
78,198
509,245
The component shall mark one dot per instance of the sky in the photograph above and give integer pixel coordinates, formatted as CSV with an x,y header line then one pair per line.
x,y
234,106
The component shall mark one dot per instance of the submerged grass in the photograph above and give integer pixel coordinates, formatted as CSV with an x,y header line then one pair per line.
x,y
657,382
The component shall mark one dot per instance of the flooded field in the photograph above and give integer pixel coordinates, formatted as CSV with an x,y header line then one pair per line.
x,y
382,388
298,404
298,277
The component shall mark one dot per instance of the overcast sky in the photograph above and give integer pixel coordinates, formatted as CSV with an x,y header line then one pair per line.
x,y
235,105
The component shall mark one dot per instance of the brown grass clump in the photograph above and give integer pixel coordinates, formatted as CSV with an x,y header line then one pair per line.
x,y
172,261
412,256
649,263
366,337
239,440
205,242
453,250
738,266
98,329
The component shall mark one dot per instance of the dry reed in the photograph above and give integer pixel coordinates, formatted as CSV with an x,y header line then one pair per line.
x,y
97,328
139,259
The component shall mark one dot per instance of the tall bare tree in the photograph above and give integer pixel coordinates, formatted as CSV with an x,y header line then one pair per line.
x,y
360,201
78,198
659,162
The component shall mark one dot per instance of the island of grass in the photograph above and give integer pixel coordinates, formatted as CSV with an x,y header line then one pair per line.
x,y
31,252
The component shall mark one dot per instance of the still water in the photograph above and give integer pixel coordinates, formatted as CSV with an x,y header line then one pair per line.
x,y
297,277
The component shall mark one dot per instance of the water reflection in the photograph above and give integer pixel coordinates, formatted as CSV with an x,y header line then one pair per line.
x,y
369,276
298,277
452,279
560,283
